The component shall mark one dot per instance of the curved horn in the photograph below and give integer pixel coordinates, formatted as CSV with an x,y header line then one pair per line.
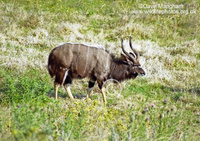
x,y
124,49
136,53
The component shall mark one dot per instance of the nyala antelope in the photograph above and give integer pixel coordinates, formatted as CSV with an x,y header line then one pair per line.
x,y
68,61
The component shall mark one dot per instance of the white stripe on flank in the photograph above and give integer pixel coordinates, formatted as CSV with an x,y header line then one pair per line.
x,y
106,61
86,63
77,57
97,54
65,76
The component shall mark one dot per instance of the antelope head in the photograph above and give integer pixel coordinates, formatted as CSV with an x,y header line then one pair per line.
x,y
132,60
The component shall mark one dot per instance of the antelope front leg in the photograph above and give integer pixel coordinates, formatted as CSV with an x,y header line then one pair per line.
x,y
67,88
56,90
103,92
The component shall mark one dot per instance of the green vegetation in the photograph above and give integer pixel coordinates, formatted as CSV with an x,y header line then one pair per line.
x,y
163,105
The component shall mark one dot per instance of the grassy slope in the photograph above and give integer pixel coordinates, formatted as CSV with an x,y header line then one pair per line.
x,y
163,105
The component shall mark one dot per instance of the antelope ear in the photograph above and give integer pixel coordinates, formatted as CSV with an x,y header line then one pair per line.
x,y
124,57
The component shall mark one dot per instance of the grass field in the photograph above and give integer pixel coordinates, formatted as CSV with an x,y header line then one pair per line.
x,y
162,105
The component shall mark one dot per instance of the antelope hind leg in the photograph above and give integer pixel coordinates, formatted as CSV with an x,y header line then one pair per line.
x,y
67,88
103,92
56,90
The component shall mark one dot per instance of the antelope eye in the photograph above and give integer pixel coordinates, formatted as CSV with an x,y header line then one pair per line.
x,y
137,67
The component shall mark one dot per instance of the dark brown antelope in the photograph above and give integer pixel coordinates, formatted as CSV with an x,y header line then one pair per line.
x,y
68,61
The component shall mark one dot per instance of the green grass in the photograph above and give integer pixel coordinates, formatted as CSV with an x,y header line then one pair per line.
x,y
163,105
146,111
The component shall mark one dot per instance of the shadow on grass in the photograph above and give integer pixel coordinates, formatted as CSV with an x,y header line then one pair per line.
x,y
65,95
